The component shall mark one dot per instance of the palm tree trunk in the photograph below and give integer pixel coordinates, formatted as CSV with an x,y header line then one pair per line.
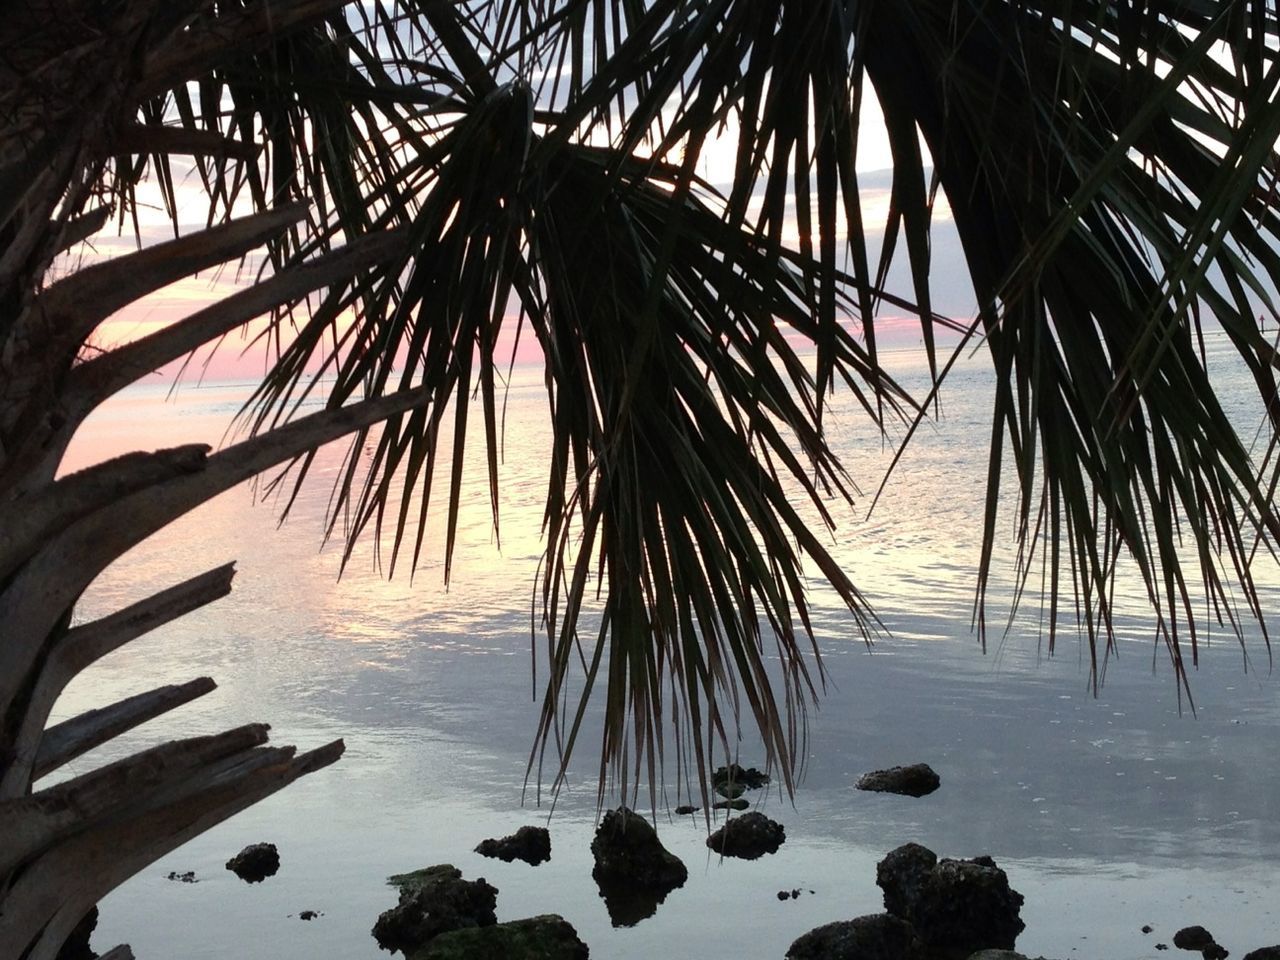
x,y
65,846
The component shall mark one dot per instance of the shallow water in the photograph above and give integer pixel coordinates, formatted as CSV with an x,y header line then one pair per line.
x,y
1107,813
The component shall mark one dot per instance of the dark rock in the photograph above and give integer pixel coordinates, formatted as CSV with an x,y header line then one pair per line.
x,y
876,937
188,876
915,780
530,844
902,875
421,878
633,870
954,905
784,895
1147,928
1215,951
685,810
1264,953
749,779
549,937
76,946
434,901
626,845
969,905
309,915
255,862
1192,938
1162,946
738,804
749,836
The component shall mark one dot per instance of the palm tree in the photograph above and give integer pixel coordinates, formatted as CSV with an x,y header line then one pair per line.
x,y
419,172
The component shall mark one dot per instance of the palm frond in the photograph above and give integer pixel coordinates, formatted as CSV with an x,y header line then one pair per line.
x,y
684,420
1109,169
1104,176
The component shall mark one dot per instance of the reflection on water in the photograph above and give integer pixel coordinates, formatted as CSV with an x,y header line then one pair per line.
x,y
628,904
1107,813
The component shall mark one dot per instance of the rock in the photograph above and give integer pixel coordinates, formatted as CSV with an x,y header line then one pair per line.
x,y
188,876
1147,928
685,810
1215,951
627,846
255,862
1192,938
954,905
875,937
309,915
76,946
549,937
633,870
421,878
530,844
916,780
738,804
434,901
1264,953
730,791
902,875
1162,946
749,779
749,836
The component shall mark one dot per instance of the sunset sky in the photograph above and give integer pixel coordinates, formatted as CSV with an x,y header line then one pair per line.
x,y
239,358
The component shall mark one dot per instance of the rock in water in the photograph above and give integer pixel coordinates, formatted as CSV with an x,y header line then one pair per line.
x,y
749,779
627,847
530,844
902,875
255,862
633,870
1192,938
916,780
749,836
548,937
741,803
954,905
1264,953
685,809
876,937
434,901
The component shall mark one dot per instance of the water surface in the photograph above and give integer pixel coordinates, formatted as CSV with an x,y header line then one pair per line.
x,y
1108,813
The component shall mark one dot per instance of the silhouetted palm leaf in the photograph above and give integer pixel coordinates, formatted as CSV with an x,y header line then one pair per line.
x,y
1110,170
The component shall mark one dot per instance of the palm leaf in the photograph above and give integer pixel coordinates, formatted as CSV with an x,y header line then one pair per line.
x,y
1111,175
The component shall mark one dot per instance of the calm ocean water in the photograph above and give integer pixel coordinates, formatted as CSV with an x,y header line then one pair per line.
x,y
1107,813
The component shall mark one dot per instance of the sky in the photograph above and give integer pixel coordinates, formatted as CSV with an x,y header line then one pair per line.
x,y
239,358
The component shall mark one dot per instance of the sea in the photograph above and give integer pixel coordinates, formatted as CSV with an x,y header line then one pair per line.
x,y
1110,811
